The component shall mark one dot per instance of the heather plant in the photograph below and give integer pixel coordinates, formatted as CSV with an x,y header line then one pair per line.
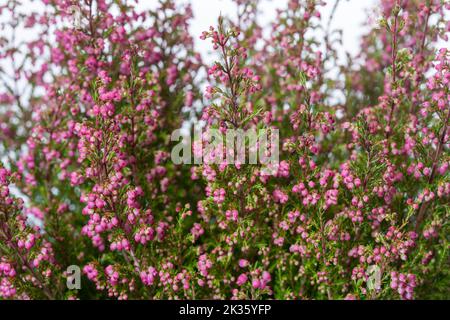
x,y
355,208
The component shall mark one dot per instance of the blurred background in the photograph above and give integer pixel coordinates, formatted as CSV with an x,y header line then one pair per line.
x,y
351,16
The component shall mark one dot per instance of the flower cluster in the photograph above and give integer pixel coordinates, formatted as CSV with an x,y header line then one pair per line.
x,y
356,208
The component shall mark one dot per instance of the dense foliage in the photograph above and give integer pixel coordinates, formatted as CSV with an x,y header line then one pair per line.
x,y
89,100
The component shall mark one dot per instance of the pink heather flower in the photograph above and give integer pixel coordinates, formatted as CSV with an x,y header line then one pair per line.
x,y
197,230
280,197
7,289
403,284
242,279
90,271
204,264
283,169
256,284
219,196
189,99
231,215
148,277
243,263
266,276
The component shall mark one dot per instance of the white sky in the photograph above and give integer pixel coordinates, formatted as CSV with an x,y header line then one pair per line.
x,y
349,17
